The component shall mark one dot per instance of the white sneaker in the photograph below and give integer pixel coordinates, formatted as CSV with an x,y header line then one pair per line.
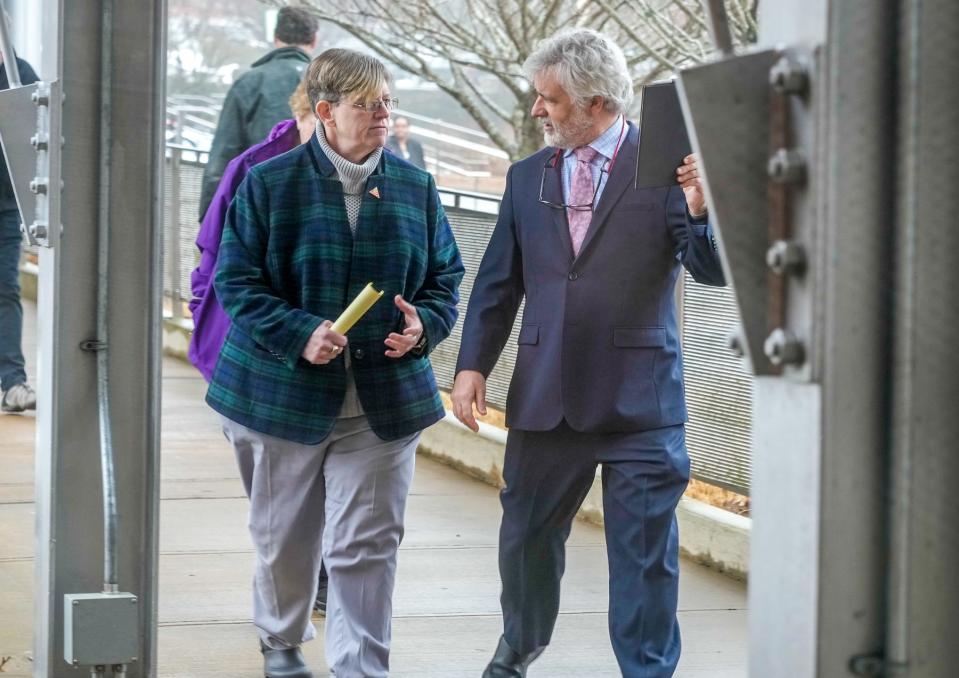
x,y
18,398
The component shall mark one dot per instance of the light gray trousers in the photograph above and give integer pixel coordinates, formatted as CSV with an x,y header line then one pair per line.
x,y
344,499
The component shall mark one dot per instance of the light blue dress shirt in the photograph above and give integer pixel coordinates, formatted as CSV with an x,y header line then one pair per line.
x,y
605,145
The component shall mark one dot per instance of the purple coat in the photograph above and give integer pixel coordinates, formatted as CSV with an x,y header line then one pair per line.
x,y
210,322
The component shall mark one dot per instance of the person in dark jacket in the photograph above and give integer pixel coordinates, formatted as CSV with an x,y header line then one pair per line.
x,y
210,322
599,371
325,425
258,99
400,143
17,394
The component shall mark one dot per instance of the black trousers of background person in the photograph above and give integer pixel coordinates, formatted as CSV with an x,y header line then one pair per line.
x,y
548,475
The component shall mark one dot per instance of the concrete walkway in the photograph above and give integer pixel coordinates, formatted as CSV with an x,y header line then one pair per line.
x,y
446,606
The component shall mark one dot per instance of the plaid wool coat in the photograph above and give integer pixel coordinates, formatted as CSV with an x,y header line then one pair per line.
x,y
288,261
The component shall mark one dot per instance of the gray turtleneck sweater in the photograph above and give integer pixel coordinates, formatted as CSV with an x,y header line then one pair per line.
x,y
353,177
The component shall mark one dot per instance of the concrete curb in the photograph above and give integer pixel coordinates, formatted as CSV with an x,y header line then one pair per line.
x,y
708,535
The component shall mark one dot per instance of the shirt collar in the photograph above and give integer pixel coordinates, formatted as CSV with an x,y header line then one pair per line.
x,y
605,144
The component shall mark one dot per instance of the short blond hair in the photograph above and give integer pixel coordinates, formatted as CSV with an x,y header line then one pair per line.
x,y
300,102
339,73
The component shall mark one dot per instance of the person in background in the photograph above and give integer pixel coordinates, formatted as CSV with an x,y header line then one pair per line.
x,y
599,375
325,427
210,322
18,396
400,143
258,99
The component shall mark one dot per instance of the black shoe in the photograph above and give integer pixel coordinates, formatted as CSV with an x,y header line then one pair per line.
x,y
319,605
288,663
508,663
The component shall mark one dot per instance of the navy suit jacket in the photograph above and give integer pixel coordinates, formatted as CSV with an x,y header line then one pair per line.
x,y
600,344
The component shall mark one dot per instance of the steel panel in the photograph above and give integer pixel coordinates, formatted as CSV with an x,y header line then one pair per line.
x,y
924,541
18,113
726,106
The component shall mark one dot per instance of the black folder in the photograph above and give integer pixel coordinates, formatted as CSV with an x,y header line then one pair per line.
x,y
663,142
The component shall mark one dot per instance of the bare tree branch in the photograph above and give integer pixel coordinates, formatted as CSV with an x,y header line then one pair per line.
x,y
638,39
459,45
461,78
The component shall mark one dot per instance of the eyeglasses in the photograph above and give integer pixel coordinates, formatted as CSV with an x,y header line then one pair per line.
x,y
607,167
551,164
378,105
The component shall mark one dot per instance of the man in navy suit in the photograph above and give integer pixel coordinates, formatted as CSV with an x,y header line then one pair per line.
x,y
598,378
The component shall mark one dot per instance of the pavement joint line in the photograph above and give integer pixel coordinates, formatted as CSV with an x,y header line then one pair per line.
x,y
423,547
242,496
197,479
441,615
445,615
224,552
207,552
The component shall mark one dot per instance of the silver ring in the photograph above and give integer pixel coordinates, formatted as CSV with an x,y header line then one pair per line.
x,y
335,350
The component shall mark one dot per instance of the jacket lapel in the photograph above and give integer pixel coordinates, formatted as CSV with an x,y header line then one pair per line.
x,y
373,196
553,191
620,178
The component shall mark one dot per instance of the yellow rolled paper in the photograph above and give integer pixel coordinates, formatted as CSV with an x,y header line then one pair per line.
x,y
357,309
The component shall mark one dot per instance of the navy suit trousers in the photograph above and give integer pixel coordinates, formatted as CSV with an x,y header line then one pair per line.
x,y
548,474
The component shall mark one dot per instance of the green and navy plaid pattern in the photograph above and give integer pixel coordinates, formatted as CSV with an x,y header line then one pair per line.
x,y
288,261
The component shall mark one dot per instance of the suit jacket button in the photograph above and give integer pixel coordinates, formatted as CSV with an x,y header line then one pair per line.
x,y
573,276
358,354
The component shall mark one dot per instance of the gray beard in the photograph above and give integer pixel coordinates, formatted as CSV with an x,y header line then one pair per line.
x,y
571,134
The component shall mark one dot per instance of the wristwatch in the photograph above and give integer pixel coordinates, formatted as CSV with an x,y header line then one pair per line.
x,y
420,347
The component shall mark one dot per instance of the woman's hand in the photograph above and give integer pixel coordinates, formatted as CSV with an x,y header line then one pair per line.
x,y
400,344
324,344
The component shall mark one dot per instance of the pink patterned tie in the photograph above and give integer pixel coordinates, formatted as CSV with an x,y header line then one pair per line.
x,y
580,193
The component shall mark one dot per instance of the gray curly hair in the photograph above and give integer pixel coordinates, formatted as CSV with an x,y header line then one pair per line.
x,y
586,64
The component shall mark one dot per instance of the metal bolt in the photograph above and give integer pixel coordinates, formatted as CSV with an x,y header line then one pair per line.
x,y
789,77
787,166
867,665
734,342
786,257
39,186
38,231
76,602
41,97
40,141
783,348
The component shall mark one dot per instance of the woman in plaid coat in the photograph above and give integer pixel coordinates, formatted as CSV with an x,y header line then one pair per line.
x,y
325,426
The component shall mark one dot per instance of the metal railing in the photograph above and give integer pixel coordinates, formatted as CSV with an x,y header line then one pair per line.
x,y
452,152
719,391
183,173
